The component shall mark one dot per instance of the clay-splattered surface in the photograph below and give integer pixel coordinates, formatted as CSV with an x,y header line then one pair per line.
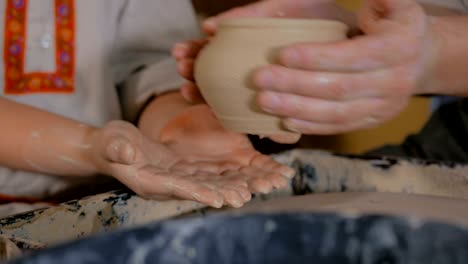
x,y
317,172
91,215
417,208
275,238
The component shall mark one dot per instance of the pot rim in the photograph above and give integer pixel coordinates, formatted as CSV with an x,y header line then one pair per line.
x,y
254,22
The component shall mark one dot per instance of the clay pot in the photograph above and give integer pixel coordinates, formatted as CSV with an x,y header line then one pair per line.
x,y
224,67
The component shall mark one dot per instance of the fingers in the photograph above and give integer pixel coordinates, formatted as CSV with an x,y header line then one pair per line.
x,y
308,127
213,184
260,181
285,138
152,182
208,188
264,174
188,49
320,111
324,85
208,166
335,86
363,120
363,53
244,193
235,197
261,176
391,27
232,184
257,182
185,69
322,102
185,54
191,93
266,163
188,190
234,190
120,150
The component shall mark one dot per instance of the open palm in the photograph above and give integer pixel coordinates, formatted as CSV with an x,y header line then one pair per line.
x,y
207,141
156,171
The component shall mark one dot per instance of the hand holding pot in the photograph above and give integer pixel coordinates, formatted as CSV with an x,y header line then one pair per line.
x,y
224,68
347,85
356,83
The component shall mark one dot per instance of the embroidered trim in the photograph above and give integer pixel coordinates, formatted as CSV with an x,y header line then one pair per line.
x,y
61,81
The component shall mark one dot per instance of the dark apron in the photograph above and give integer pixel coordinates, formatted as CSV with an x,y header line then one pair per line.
x,y
443,138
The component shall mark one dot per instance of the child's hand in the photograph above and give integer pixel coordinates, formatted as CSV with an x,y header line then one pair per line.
x,y
185,54
154,171
197,136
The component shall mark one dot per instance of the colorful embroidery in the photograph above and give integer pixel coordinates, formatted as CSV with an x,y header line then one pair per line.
x,y
19,82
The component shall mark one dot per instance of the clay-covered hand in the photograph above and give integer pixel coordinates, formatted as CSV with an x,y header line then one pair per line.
x,y
154,171
186,52
197,136
357,83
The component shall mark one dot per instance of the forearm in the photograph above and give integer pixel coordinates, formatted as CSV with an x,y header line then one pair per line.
x,y
38,141
159,112
449,73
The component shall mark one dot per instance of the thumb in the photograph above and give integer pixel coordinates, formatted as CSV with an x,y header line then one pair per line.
x,y
191,93
120,150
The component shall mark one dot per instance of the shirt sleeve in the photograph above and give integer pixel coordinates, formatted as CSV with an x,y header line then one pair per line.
x,y
458,5
143,65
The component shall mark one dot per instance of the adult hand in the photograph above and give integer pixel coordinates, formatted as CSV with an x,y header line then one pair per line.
x,y
154,171
356,83
347,85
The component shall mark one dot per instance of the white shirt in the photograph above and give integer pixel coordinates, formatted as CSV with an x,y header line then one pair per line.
x,y
76,54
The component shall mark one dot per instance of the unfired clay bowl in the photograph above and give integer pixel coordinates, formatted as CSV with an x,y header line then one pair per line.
x,y
224,67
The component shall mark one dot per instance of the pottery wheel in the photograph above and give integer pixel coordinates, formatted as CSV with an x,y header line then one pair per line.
x,y
293,237
425,207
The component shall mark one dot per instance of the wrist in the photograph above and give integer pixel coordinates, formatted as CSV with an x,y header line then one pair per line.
x,y
160,112
61,150
90,151
448,74
431,58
